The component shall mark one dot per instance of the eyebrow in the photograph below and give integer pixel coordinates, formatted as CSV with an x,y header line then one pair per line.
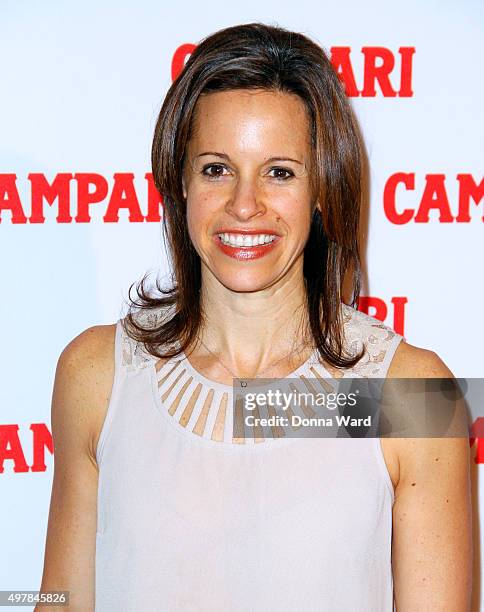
x,y
271,159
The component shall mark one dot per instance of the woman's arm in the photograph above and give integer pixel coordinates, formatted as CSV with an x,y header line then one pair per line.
x,y
432,524
82,388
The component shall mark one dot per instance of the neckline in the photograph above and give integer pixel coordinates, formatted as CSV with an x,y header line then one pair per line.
x,y
199,377
174,387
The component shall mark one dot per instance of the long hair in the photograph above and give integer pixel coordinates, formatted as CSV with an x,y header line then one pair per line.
x,y
260,56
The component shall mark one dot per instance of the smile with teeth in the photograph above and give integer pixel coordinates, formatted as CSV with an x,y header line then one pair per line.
x,y
239,240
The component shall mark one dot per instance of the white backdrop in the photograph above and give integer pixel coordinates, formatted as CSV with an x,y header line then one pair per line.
x,y
81,87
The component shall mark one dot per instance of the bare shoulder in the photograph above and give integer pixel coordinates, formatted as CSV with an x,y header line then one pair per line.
x,y
411,361
83,381
97,340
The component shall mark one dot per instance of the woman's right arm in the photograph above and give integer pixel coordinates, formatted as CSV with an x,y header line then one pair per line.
x,y
82,388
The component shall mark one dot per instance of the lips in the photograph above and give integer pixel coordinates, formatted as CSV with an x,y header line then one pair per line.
x,y
247,244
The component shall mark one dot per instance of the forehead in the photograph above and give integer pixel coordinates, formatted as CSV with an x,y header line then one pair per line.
x,y
244,116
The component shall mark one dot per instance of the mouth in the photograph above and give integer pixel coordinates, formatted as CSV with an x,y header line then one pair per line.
x,y
246,244
246,240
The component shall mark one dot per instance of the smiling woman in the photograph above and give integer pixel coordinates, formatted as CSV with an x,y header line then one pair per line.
x,y
170,499
258,126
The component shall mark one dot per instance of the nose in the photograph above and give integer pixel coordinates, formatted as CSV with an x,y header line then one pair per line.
x,y
245,201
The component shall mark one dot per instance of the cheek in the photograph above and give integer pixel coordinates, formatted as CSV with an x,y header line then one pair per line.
x,y
201,207
296,214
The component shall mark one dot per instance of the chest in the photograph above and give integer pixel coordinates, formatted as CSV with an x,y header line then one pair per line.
x,y
332,489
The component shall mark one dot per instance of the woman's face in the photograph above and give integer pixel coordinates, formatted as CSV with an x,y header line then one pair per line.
x,y
247,184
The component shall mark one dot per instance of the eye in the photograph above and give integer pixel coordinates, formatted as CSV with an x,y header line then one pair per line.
x,y
282,173
213,171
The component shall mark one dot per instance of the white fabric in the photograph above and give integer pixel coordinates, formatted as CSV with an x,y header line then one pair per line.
x,y
189,523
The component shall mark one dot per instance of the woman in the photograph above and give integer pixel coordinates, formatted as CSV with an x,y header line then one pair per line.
x,y
159,502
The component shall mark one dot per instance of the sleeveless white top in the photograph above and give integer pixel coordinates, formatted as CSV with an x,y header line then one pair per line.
x,y
191,520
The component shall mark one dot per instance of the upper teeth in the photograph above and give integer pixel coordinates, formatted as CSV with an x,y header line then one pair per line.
x,y
245,240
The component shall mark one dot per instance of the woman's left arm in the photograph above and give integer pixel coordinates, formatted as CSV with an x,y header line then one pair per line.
x,y
432,513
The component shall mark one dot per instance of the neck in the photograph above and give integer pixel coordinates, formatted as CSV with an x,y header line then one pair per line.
x,y
251,330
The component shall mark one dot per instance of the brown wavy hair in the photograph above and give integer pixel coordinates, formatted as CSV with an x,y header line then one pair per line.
x,y
260,56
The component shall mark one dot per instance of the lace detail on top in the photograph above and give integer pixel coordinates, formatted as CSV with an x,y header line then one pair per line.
x,y
378,339
204,407
134,354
